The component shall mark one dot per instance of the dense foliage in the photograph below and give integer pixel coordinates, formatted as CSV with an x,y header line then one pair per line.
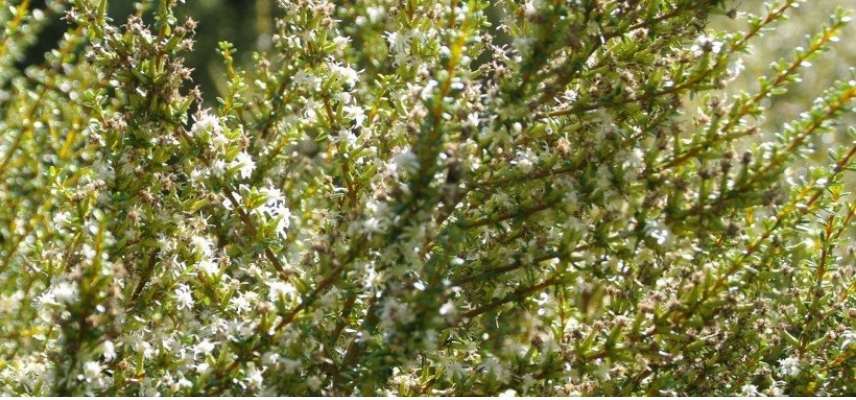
x,y
547,197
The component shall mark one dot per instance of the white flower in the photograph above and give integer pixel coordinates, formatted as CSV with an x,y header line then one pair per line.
x,y
61,218
397,41
201,368
346,74
776,389
209,267
341,42
307,81
254,376
659,231
530,8
245,164
108,351
243,302
183,297
208,123
403,162
204,347
92,370
184,383
142,347
348,136
375,13
87,252
274,202
275,208
526,160
428,90
64,293
202,245
749,390
705,44
394,312
355,113
279,290
371,225
790,366
508,393
218,167
472,120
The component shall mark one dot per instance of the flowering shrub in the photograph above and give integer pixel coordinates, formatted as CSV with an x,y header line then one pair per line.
x,y
423,197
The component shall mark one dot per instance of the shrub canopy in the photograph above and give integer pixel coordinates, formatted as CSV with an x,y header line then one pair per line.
x,y
423,197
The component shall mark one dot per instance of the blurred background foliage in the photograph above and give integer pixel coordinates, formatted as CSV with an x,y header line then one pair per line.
x,y
831,66
834,65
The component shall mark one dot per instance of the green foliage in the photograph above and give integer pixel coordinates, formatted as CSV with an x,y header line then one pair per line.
x,y
425,198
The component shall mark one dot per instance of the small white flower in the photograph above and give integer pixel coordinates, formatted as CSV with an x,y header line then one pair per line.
x,y
447,308
281,290
394,312
403,162
428,90
526,160
790,366
92,370
355,113
64,293
472,120
243,302
254,376
347,136
341,42
307,81
218,167
184,383
776,389
530,8
397,42
705,44
659,231
346,74
209,267
87,252
202,245
206,122
375,13
61,218
108,351
371,225
183,297
204,347
508,393
749,390
245,164
201,368
142,347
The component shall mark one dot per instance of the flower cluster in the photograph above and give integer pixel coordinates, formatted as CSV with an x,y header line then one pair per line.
x,y
423,198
